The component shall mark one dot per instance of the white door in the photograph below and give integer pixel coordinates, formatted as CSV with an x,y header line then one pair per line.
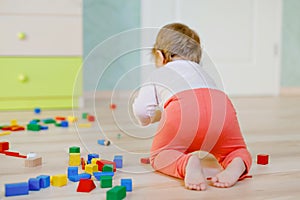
x,y
242,37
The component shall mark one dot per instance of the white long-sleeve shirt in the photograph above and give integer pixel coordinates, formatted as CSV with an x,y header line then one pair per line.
x,y
174,77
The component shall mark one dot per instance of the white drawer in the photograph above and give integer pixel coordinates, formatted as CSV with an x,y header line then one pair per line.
x,y
55,7
44,35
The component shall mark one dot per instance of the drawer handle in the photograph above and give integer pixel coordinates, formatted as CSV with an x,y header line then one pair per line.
x,y
22,78
21,36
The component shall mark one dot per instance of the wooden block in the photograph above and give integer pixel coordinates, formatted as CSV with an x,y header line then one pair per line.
x,y
72,119
17,128
4,146
86,185
262,159
90,118
59,180
33,162
60,118
13,122
91,168
101,163
74,159
16,189
112,106
85,125
5,133
11,153
145,160
117,192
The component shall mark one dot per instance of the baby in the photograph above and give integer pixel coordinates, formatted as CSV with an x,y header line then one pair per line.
x,y
196,115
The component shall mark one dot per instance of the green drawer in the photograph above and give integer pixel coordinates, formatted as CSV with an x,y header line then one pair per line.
x,y
39,79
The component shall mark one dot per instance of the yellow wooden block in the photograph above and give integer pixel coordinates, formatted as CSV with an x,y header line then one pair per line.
x,y
5,133
59,180
74,159
85,125
94,160
13,122
72,119
91,168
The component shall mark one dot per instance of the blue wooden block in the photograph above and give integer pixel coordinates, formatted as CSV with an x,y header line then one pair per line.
x,y
44,127
72,171
84,176
77,177
74,178
127,182
34,121
15,189
64,124
44,181
37,110
91,156
98,175
34,184
119,161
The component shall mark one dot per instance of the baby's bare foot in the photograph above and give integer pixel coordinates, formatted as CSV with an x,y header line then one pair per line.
x,y
230,175
194,179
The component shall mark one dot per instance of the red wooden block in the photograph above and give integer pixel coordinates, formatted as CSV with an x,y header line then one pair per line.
x,y
86,185
145,160
6,128
101,163
17,128
262,159
60,118
22,156
82,163
113,106
4,146
90,118
11,153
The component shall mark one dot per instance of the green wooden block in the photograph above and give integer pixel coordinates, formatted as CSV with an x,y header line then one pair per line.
x,y
49,121
74,149
106,181
33,127
116,193
108,168
58,124
84,115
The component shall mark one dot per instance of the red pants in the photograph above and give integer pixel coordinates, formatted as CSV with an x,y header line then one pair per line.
x,y
199,119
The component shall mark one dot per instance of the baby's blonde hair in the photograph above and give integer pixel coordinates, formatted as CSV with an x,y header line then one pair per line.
x,y
178,39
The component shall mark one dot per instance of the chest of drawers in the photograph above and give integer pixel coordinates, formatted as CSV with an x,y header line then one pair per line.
x,y
40,54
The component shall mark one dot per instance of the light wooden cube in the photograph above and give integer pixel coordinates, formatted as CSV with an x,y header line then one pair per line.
x,y
33,162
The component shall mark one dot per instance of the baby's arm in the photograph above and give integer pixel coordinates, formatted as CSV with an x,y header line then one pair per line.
x,y
145,106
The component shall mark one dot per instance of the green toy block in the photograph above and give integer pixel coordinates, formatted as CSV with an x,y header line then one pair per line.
x,y
116,193
49,121
58,124
108,168
33,127
74,149
106,181
84,115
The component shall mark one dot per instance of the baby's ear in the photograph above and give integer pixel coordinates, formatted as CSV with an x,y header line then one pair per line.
x,y
159,58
